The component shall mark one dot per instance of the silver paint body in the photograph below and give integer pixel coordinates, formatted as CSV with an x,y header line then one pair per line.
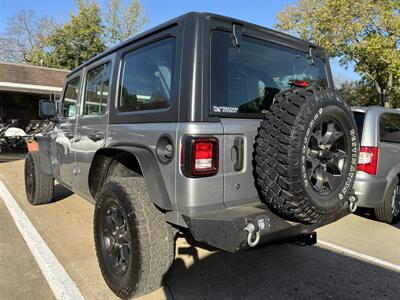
x,y
372,189
189,114
187,195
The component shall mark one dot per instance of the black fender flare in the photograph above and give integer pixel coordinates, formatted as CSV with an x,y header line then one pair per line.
x,y
45,154
151,173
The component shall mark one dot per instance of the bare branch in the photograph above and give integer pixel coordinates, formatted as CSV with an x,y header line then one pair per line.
x,y
26,36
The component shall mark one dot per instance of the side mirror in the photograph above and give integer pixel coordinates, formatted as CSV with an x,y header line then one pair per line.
x,y
47,109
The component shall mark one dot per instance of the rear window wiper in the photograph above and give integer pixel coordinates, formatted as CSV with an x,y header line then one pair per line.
x,y
310,55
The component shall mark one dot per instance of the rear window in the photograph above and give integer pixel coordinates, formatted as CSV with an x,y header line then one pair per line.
x,y
359,118
245,79
389,128
147,77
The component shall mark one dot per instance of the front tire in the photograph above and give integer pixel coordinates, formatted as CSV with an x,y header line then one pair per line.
x,y
134,244
39,185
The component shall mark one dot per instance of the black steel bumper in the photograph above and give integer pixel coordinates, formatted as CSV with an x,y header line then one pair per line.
x,y
224,229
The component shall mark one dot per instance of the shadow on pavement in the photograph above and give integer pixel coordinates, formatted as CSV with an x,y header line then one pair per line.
x,y
397,225
61,192
279,272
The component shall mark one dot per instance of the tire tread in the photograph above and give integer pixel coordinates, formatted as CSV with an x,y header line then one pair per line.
x,y
43,188
277,155
154,237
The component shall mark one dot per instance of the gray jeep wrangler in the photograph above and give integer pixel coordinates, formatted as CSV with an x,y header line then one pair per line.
x,y
216,127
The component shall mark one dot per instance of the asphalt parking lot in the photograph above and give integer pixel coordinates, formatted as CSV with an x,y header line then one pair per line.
x,y
348,263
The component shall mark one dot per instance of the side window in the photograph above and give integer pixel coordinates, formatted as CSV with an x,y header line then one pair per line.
x,y
147,77
389,128
96,91
71,98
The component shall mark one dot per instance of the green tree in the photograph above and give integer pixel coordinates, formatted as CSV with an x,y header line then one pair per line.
x,y
359,93
78,40
363,93
122,21
365,32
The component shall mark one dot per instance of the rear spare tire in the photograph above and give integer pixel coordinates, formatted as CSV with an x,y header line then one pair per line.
x,y
306,154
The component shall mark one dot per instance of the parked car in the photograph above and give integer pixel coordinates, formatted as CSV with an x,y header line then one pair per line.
x,y
208,125
377,183
12,138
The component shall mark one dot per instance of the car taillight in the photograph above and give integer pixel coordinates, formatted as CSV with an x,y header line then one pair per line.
x,y
368,159
199,156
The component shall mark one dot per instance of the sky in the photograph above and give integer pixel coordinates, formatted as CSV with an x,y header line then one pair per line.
x,y
262,12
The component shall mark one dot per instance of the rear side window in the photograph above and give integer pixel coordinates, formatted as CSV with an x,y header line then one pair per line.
x,y
246,79
96,93
359,118
389,128
147,77
71,98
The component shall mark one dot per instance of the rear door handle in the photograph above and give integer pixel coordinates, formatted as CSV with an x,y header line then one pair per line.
x,y
238,145
96,136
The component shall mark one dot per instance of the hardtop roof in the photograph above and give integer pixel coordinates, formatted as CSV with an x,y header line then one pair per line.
x,y
180,20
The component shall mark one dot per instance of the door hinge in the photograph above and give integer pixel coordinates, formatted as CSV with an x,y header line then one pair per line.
x,y
237,34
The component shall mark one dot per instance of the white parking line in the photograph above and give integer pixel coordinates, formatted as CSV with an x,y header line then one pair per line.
x,y
58,279
365,257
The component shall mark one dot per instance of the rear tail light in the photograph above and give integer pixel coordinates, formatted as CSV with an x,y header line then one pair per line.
x,y
199,156
368,159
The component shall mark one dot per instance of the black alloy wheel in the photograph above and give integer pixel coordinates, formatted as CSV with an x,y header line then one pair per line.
x,y
115,239
326,156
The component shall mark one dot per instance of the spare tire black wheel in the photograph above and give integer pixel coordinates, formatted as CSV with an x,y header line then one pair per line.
x,y
306,154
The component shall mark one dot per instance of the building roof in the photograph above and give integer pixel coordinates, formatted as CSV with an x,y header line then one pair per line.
x,y
20,77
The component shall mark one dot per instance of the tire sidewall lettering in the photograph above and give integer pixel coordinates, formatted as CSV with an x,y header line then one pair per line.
x,y
351,167
310,126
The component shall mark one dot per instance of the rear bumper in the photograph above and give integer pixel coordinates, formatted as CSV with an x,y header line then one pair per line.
x,y
224,229
369,190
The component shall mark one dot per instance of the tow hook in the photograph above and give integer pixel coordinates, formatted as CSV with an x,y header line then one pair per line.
x,y
253,235
353,203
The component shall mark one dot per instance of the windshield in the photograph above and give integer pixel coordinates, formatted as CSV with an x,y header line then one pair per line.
x,y
245,79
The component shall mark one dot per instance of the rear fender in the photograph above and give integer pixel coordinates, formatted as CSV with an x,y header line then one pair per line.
x,y
151,173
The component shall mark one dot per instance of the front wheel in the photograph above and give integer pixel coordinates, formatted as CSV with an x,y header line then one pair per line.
x,y
134,244
39,185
